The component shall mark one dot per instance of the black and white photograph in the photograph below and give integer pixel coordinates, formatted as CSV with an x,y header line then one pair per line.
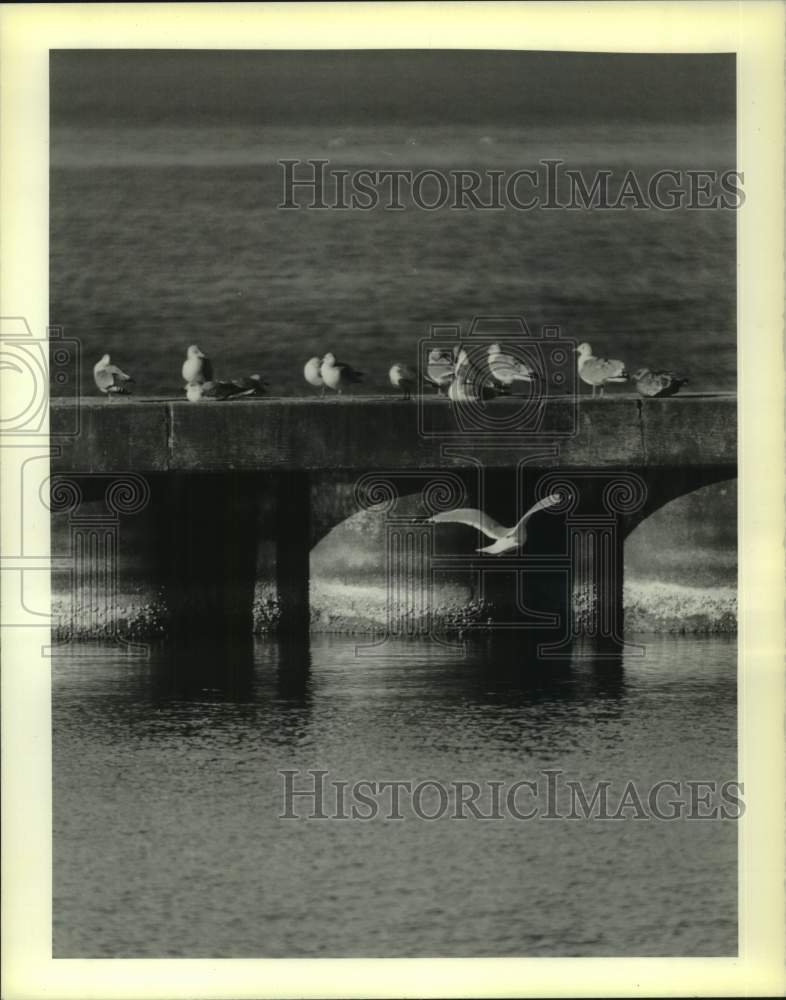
x,y
393,501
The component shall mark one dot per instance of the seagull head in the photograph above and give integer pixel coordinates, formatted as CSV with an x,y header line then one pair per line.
x,y
329,359
584,350
104,361
194,352
495,349
640,374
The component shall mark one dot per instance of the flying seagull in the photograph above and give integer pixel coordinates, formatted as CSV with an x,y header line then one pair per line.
x,y
337,374
402,377
504,538
197,367
597,372
110,379
649,383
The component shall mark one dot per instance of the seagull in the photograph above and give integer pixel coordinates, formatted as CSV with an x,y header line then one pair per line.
x,y
462,391
109,378
238,388
249,385
402,377
598,371
197,367
504,538
336,374
649,383
506,369
311,374
441,368
469,384
197,391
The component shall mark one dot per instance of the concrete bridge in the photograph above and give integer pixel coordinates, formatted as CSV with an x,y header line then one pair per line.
x,y
221,474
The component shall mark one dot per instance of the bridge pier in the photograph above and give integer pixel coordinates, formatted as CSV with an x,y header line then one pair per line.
x,y
207,551
293,550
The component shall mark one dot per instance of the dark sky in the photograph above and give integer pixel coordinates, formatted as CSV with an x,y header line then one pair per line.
x,y
386,86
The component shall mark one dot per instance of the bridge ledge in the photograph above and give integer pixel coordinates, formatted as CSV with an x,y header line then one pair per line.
x,y
358,432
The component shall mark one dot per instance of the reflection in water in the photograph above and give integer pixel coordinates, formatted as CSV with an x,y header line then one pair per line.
x,y
168,839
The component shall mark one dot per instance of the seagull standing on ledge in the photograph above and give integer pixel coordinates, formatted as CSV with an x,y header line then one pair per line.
x,y
504,538
311,374
337,374
110,379
649,383
598,371
440,368
402,377
506,369
197,367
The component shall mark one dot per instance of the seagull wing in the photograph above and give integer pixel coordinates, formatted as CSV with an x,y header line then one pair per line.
x,y
117,374
349,373
611,369
549,501
474,518
103,379
509,369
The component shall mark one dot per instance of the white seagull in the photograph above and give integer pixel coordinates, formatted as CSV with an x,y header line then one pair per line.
x,y
660,383
402,377
110,379
505,369
598,371
311,373
337,374
469,384
441,368
504,538
197,367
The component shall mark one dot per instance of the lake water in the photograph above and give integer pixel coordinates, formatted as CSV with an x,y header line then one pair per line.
x,y
168,840
166,236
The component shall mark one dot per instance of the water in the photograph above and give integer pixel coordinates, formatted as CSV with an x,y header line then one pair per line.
x,y
167,841
162,236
